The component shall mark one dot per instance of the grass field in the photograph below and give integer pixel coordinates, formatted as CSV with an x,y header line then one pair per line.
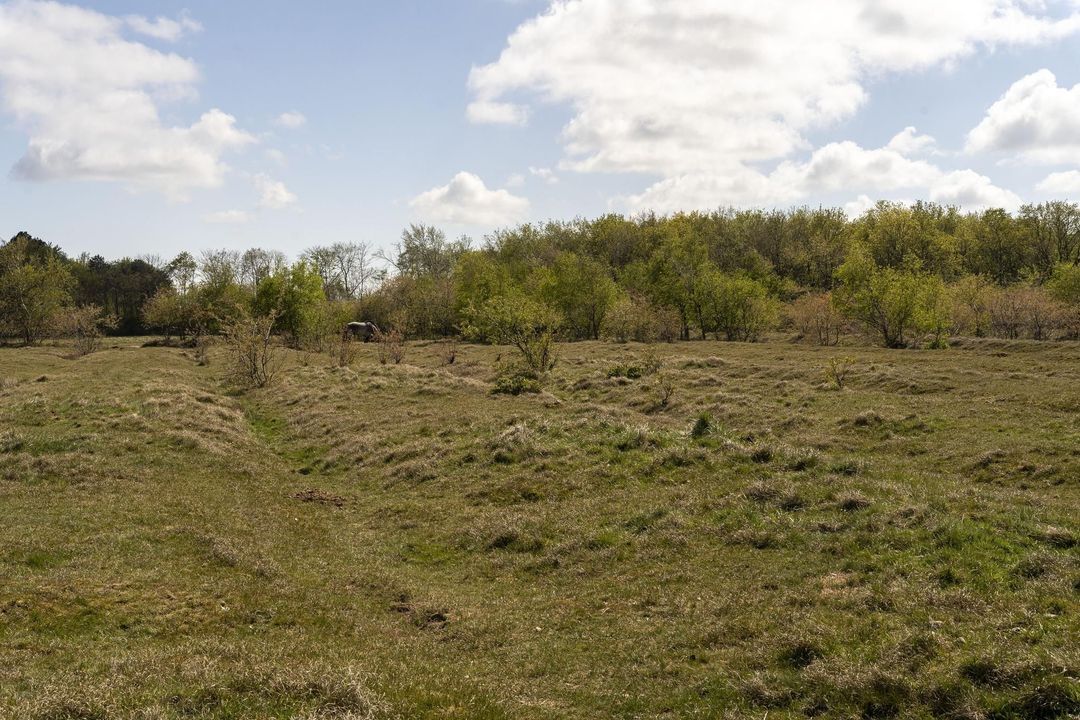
x,y
396,541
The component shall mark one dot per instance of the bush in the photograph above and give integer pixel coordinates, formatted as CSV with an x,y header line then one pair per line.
x,y
891,303
1064,284
33,291
391,345
515,379
816,318
665,389
85,325
970,300
838,369
448,350
254,359
738,306
634,318
624,370
296,298
1025,311
516,320
181,313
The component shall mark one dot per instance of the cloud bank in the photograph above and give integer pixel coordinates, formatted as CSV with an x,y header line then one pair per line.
x,y
702,93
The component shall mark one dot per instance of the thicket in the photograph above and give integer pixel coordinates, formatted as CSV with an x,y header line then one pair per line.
x,y
902,274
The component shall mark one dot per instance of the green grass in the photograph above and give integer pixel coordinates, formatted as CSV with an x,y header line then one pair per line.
x,y
399,541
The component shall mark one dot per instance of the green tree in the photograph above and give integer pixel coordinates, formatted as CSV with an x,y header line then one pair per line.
x,y
971,296
478,277
1000,249
34,287
581,289
1053,234
514,319
294,296
893,303
737,306
1064,284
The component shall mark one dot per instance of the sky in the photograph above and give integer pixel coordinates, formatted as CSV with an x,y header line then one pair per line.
x,y
134,128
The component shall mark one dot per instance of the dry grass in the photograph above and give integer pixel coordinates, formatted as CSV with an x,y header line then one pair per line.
x,y
397,541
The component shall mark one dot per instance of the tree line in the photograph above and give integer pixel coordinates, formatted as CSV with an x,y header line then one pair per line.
x,y
903,274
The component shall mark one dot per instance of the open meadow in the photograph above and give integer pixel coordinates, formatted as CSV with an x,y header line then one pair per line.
x,y
728,535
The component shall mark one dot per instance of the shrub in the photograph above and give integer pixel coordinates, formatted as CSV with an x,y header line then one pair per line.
x,y
516,320
838,369
665,389
652,360
970,300
669,325
515,379
85,325
254,359
935,314
341,349
182,313
816,319
448,350
1025,311
623,370
892,303
391,346
1006,315
1064,284
202,350
738,306
634,318
296,298
32,292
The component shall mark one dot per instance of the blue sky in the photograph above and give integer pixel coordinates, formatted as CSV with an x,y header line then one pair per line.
x,y
472,114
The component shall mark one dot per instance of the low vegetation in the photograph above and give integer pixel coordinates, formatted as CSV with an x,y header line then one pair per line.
x,y
722,534
899,276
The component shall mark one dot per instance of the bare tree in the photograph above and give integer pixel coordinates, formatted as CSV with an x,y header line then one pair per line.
x,y
348,270
219,268
257,264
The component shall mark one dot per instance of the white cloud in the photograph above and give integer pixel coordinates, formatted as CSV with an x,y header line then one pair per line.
x,y
702,93
972,191
1035,119
1061,183
292,120
273,194
227,217
678,87
833,168
859,206
842,165
88,99
546,174
163,28
515,180
738,185
909,142
496,113
465,200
